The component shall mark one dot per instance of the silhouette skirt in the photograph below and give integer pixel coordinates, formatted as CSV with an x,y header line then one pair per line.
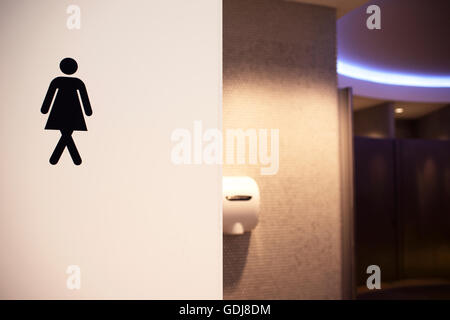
x,y
66,113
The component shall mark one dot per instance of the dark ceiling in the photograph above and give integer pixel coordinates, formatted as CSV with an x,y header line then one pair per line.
x,y
414,37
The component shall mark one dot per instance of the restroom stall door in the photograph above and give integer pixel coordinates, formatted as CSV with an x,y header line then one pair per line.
x,y
424,207
375,217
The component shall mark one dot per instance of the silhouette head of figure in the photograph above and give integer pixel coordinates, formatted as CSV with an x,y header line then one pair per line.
x,y
68,66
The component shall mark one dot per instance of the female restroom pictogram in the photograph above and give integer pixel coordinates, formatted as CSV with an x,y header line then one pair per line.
x,y
66,112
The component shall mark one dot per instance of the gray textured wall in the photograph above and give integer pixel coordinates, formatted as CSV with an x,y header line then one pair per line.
x,y
435,125
279,71
375,122
406,128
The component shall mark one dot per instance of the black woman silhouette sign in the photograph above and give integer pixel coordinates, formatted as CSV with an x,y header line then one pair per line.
x,y
66,114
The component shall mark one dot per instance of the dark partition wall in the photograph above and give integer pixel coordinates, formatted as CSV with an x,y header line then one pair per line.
x,y
402,207
375,234
424,207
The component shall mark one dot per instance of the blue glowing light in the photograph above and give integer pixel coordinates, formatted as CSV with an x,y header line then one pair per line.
x,y
392,78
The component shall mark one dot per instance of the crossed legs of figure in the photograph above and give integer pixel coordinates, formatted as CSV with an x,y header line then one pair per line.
x,y
66,141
